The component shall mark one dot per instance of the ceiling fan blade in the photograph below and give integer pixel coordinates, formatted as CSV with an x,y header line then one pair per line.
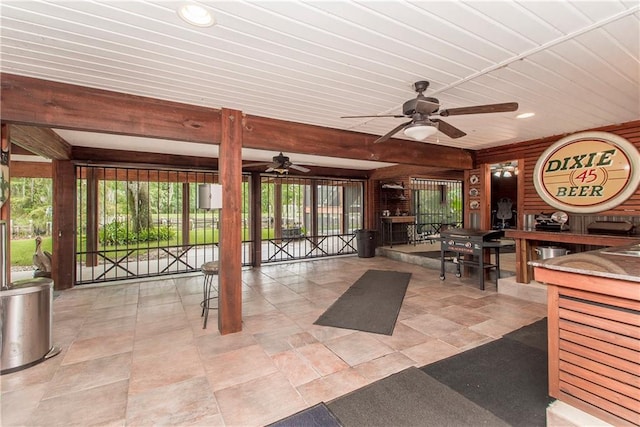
x,y
300,168
398,116
274,165
449,130
392,132
479,109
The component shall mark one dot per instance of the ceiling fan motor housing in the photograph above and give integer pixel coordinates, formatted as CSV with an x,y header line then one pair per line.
x,y
421,104
280,158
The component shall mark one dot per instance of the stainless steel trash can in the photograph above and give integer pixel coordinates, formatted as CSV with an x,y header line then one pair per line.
x,y
27,318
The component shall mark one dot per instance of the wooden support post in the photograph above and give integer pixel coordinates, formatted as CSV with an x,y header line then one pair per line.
x,y
185,214
230,285
485,211
520,189
64,225
347,199
370,218
91,259
256,219
277,209
314,208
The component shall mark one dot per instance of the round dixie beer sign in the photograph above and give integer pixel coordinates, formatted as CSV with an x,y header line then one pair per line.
x,y
588,172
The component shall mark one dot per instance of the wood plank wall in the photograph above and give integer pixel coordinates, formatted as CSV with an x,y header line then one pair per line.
x,y
480,198
530,151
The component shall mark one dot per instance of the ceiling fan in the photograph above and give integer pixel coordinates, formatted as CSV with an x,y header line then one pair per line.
x,y
422,108
280,164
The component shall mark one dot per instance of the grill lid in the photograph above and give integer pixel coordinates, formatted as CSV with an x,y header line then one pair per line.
x,y
611,227
471,234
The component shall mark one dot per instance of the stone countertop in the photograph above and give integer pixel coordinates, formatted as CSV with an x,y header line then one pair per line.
x,y
603,263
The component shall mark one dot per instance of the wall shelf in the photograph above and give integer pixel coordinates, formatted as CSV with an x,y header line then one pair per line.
x,y
393,198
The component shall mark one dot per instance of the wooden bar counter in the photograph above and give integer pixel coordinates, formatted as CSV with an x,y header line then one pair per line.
x,y
593,303
527,241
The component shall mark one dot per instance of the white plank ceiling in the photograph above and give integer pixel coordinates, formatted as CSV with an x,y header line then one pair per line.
x,y
575,64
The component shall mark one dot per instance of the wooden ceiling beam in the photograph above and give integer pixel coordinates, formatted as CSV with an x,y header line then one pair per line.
x,y
31,170
416,172
30,101
41,141
278,135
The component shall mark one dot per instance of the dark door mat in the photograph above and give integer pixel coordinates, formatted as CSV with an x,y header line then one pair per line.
x,y
409,398
371,304
316,416
508,377
533,335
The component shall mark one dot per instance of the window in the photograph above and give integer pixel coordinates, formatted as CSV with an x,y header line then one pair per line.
x,y
437,204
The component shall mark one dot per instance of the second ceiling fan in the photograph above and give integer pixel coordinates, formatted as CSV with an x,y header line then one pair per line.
x,y
280,164
422,108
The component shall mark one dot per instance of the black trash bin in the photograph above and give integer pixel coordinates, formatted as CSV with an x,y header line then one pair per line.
x,y
366,243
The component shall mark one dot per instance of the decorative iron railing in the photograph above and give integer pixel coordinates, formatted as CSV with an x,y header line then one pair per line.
x,y
134,222
287,249
132,263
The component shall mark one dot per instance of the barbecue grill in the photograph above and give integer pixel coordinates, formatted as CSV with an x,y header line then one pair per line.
x,y
616,228
470,242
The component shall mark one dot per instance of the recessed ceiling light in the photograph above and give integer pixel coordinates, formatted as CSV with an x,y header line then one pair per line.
x,y
197,15
525,115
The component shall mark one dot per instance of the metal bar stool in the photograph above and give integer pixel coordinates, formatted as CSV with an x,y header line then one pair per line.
x,y
210,270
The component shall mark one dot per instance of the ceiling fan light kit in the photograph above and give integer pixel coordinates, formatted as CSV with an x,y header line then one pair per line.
x,y
420,131
280,170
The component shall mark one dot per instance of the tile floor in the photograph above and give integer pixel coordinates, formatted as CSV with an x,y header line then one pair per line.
x,y
136,354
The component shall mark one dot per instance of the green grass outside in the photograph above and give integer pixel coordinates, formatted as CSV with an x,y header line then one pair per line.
x,y
22,250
